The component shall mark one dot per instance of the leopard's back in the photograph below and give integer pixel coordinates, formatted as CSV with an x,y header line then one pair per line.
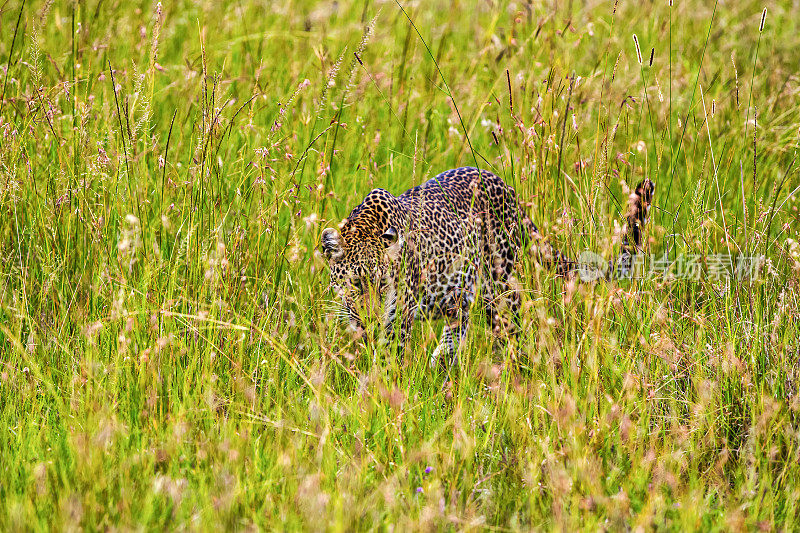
x,y
461,222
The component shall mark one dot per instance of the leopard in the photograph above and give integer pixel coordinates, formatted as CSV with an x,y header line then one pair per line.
x,y
444,246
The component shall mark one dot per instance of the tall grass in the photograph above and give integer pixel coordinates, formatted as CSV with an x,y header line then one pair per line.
x,y
166,355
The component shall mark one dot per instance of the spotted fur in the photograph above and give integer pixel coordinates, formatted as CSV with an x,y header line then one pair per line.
x,y
440,248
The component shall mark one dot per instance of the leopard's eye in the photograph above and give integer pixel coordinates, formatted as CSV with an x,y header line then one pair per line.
x,y
357,284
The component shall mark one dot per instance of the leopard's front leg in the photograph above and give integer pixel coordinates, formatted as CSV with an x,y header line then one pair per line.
x,y
390,314
404,327
399,305
446,353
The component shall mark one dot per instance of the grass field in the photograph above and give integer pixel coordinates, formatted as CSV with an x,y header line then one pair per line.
x,y
167,359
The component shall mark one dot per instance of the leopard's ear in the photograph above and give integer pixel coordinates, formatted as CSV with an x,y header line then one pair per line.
x,y
331,244
389,237
393,243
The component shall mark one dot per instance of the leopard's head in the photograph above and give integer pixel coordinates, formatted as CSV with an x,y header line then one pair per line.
x,y
362,258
